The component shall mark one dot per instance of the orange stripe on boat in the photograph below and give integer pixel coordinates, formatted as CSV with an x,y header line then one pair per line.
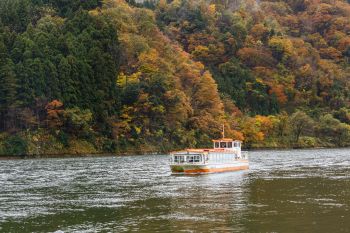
x,y
226,169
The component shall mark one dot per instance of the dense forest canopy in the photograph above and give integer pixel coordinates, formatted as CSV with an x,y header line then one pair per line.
x,y
125,76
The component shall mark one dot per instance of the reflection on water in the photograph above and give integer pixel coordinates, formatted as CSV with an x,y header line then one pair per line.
x,y
284,191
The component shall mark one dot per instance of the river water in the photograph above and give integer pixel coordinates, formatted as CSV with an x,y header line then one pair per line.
x,y
284,191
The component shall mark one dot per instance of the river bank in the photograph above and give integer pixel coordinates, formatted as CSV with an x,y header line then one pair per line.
x,y
77,154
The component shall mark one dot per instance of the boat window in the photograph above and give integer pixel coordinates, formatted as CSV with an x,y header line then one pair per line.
x,y
217,145
197,158
229,145
194,158
235,144
179,159
223,144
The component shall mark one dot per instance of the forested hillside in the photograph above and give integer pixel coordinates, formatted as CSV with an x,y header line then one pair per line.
x,y
114,76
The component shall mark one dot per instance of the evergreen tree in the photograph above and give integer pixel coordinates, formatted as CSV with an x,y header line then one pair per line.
x,y
8,93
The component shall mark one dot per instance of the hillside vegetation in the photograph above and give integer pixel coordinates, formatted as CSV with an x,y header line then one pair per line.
x,y
114,76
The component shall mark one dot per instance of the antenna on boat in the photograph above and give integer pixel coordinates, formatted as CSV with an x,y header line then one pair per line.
x,y
223,131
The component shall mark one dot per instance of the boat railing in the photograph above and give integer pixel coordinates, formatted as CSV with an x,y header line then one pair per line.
x,y
186,162
244,155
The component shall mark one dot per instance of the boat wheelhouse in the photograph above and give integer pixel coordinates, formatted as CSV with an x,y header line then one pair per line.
x,y
226,155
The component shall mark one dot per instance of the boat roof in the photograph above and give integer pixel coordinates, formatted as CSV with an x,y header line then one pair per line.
x,y
226,140
203,150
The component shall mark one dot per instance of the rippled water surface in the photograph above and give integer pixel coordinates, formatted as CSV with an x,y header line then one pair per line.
x,y
284,191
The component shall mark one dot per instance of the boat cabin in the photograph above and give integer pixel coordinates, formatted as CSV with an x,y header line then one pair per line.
x,y
227,144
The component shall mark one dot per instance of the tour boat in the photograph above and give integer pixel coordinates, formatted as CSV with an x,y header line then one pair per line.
x,y
226,155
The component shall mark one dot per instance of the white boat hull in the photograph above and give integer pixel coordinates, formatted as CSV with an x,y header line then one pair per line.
x,y
209,168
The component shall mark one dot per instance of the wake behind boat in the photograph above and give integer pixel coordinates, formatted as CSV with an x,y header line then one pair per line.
x,y
226,155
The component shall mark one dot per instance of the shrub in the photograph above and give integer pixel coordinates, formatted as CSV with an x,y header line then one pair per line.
x,y
306,142
15,145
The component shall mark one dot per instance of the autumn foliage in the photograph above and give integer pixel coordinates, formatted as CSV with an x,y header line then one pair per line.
x,y
162,75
